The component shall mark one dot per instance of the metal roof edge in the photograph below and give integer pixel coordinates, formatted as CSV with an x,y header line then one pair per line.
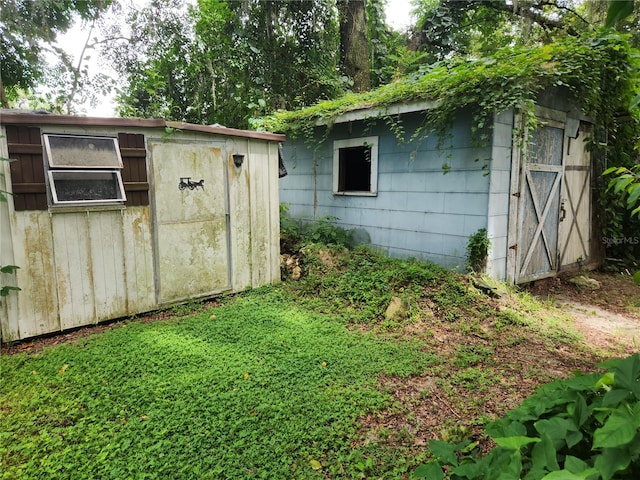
x,y
22,118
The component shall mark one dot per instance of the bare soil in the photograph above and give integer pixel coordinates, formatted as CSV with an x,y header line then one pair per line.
x,y
456,402
609,317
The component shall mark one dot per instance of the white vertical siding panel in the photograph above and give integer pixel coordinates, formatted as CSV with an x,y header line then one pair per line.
x,y
240,217
9,313
274,213
36,310
498,214
258,168
138,260
74,270
107,261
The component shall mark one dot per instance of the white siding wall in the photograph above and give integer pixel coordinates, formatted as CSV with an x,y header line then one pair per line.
x,y
81,266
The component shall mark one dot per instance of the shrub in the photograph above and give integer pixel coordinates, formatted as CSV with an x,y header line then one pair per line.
x,y
585,427
477,251
295,233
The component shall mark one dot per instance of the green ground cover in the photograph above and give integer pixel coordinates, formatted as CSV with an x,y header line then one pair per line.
x,y
256,388
304,380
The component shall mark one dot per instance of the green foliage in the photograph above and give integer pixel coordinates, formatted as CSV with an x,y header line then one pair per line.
x,y
227,62
295,234
618,10
621,207
358,285
478,251
626,183
256,388
25,26
585,427
594,69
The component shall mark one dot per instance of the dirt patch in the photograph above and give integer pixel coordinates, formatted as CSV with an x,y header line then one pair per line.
x,y
608,317
493,367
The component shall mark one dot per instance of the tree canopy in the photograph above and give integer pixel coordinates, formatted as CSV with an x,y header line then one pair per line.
x,y
26,28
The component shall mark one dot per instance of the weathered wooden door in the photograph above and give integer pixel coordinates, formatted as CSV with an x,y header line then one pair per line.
x,y
191,220
539,216
575,209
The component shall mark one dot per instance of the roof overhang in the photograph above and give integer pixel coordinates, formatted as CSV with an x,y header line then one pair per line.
x,y
366,112
21,118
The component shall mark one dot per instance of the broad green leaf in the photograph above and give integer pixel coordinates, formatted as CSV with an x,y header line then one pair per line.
x,y
613,397
429,471
622,182
636,278
574,464
612,460
515,443
508,428
506,467
618,10
556,428
627,374
573,438
561,475
316,465
618,430
544,454
607,379
443,451
579,411
634,194
567,475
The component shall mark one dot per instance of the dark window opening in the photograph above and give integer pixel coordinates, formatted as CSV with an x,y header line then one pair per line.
x,y
71,186
355,169
84,169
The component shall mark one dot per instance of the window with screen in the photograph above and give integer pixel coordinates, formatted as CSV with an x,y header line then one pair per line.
x,y
83,170
355,166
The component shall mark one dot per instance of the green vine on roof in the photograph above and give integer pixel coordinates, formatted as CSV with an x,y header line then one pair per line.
x,y
600,71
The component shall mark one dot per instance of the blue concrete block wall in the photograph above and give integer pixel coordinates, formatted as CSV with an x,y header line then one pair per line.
x,y
419,211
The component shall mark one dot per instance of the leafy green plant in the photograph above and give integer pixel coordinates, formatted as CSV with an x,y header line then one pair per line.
x,y
478,251
325,231
626,182
585,427
294,234
362,281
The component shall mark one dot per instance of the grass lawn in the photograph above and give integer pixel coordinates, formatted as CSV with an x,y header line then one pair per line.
x,y
256,388
307,379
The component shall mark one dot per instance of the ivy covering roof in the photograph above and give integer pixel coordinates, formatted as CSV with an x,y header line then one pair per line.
x,y
599,70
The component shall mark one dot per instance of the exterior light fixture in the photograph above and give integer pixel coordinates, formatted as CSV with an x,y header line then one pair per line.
x,y
238,159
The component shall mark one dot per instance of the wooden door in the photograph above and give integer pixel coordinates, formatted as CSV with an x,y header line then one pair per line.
x,y
538,223
575,209
191,220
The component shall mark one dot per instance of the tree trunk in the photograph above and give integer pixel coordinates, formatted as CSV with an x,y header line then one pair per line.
x,y
4,102
354,47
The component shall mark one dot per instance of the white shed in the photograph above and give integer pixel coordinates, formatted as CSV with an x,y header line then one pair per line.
x,y
110,217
